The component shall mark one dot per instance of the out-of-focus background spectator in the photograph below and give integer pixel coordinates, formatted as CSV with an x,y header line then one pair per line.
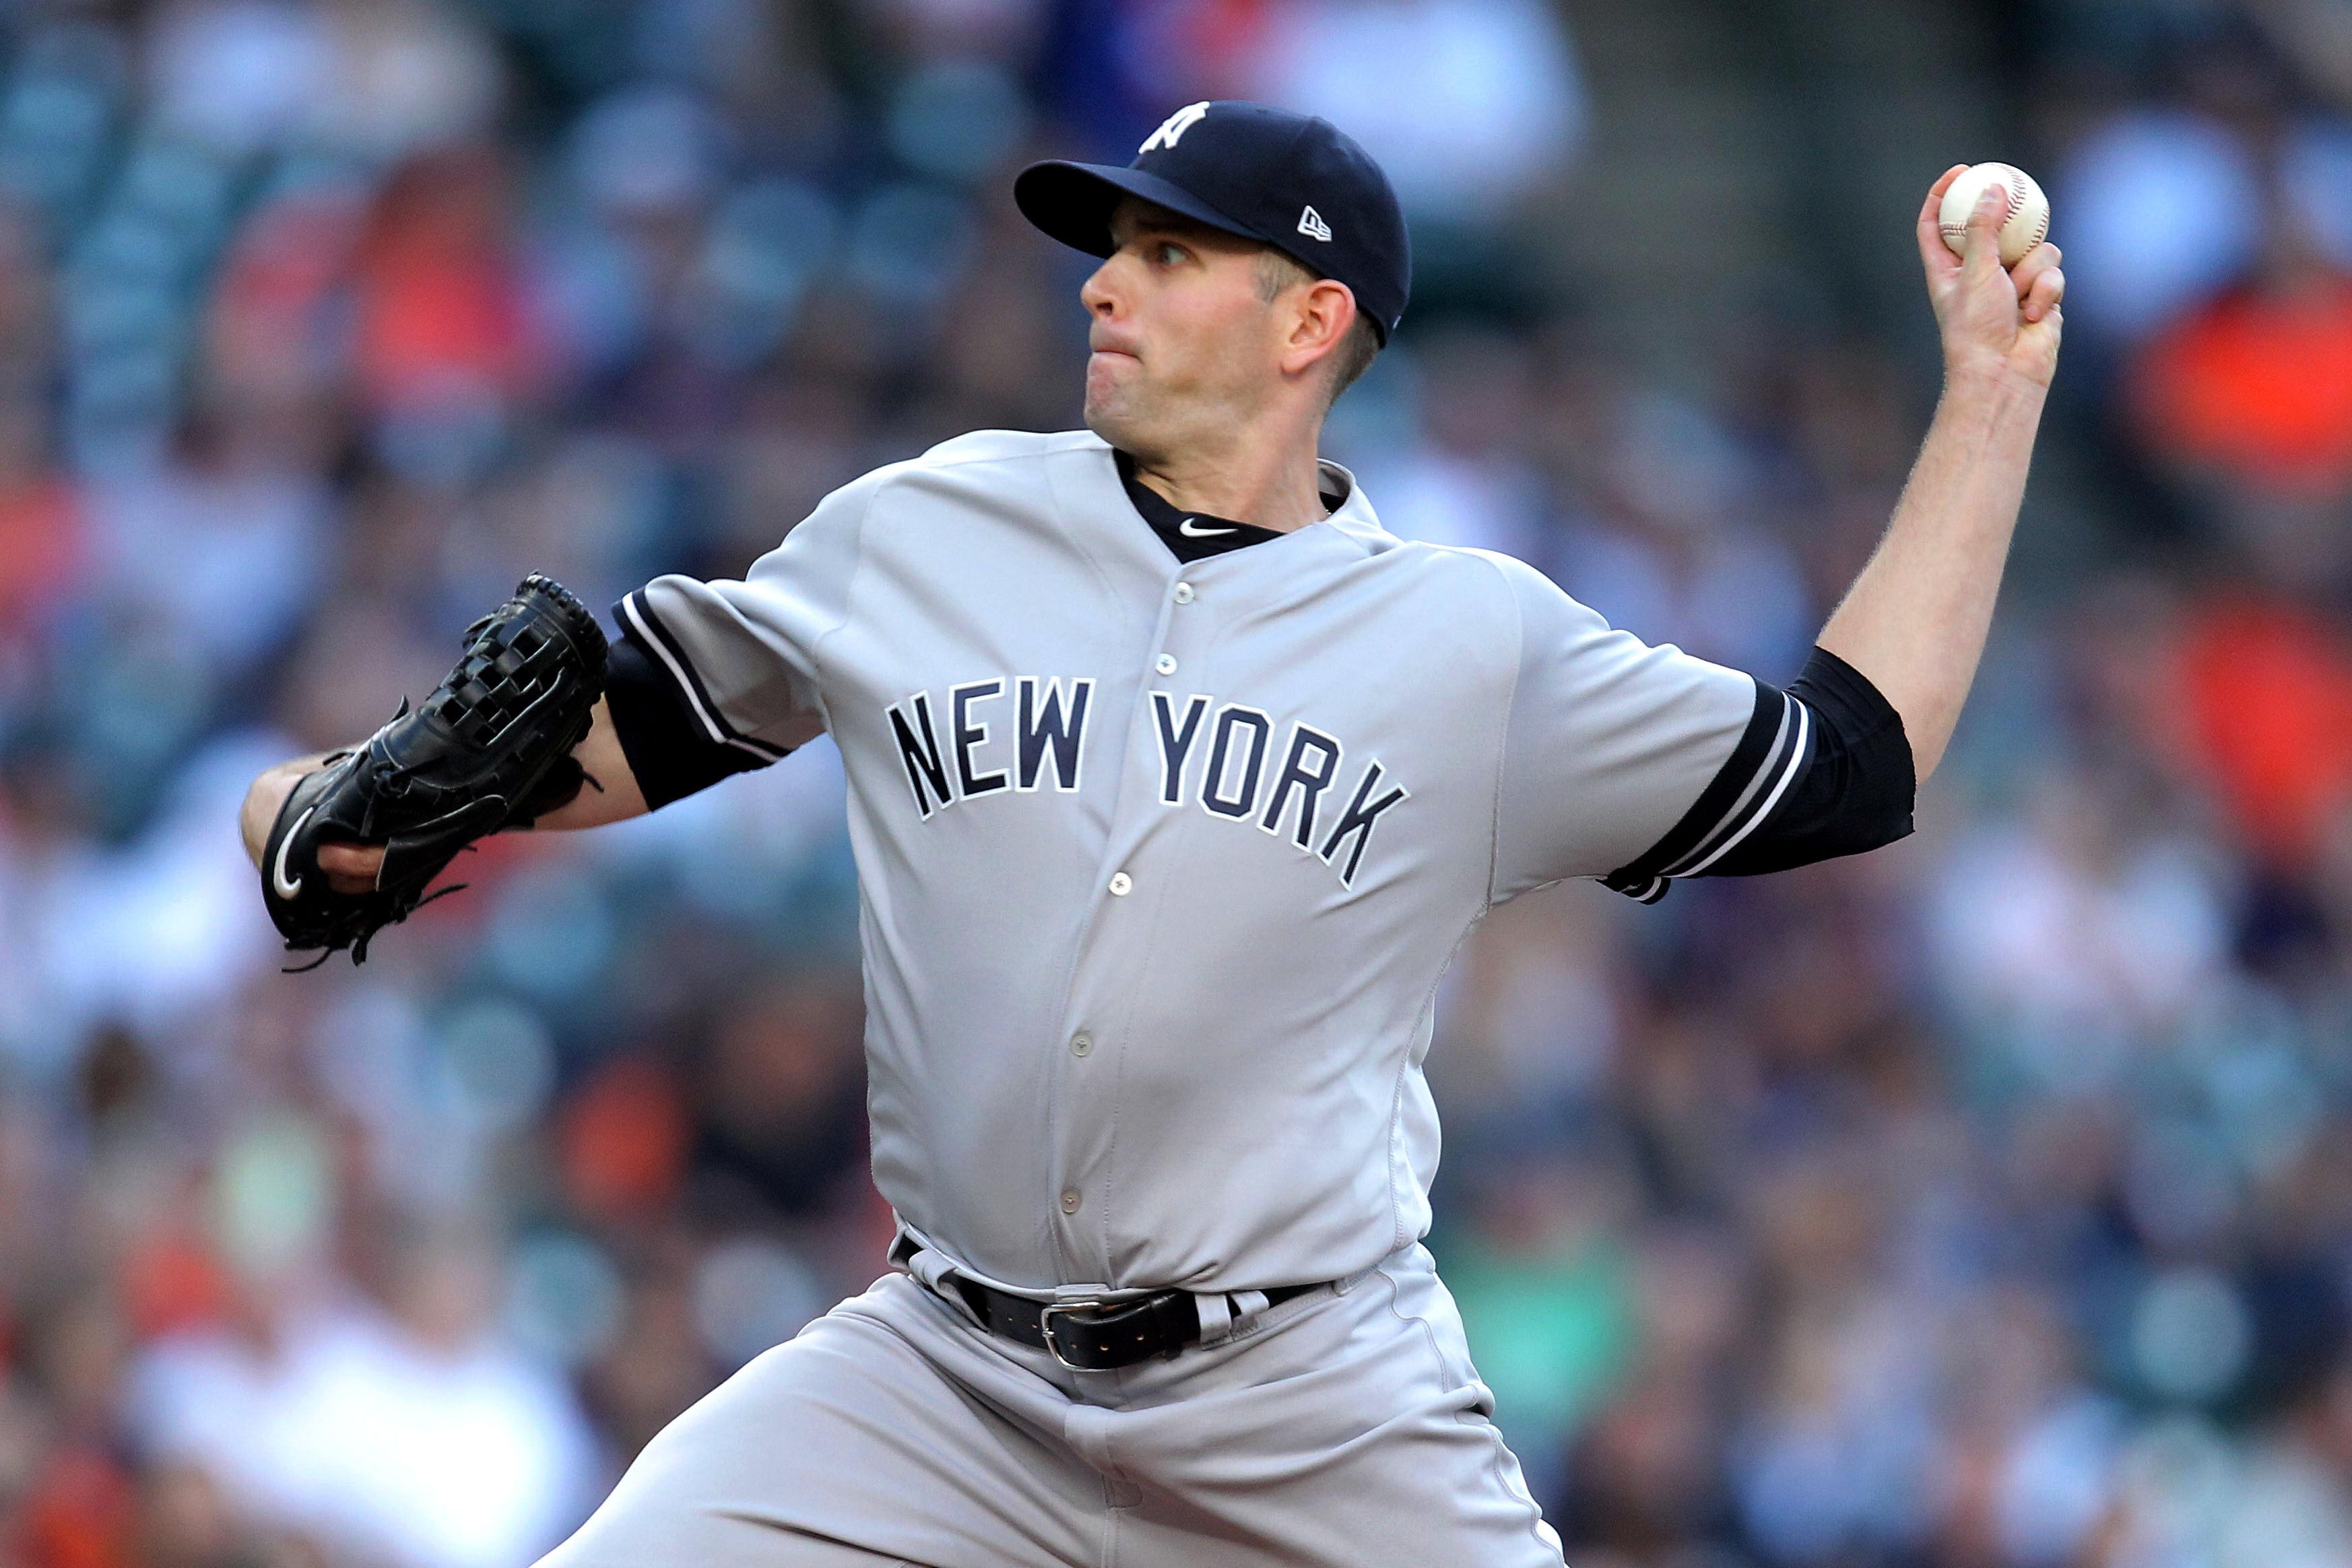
x,y
1984,1203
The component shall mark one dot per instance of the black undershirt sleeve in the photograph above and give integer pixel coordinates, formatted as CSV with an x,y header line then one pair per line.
x,y
669,752
1823,770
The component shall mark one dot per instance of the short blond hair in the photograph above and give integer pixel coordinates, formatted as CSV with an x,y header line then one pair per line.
x,y
1277,272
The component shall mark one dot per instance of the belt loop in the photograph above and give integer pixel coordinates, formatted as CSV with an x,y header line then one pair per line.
x,y
903,1246
1224,1316
1216,1318
931,1269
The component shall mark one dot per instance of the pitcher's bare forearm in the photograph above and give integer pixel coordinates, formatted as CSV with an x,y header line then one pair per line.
x,y
601,757
352,868
1915,621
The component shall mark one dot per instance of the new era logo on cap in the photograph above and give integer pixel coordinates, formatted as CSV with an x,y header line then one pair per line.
x,y
1311,224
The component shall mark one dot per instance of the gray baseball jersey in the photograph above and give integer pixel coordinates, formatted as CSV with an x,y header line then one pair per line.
x,y
1161,863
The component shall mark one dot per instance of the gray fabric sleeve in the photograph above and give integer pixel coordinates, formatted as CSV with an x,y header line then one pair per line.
x,y
744,654
1609,742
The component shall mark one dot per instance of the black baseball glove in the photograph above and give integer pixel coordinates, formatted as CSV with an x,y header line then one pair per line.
x,y
491,748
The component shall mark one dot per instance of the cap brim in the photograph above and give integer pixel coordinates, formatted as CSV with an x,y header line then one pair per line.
x,y
1073,202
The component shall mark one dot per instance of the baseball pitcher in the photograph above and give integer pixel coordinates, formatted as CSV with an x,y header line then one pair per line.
x,y
1175,782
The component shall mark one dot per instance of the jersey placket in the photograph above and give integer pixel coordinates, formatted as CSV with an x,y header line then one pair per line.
x,y
1113,963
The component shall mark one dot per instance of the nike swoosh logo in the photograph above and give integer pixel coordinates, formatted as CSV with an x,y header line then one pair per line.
x,y
1189,531
289,887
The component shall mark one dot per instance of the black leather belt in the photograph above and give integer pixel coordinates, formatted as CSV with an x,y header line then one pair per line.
x,y
1089,1336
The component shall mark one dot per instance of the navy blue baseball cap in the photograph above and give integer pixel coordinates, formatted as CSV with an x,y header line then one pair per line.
x,y
1294,181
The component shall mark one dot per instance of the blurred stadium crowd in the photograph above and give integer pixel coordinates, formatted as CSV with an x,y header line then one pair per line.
x,y
1984,1203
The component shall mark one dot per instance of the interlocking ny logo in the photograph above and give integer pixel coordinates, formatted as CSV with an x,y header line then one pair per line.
x,y
1172,130
1311,224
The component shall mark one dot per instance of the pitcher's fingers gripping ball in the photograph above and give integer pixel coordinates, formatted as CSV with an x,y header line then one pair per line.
x,y
2026,220
1983,300
491,748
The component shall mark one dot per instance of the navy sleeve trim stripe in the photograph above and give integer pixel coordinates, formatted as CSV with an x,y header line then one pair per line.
x,y
1857,789
1751,812
1823,770
1769,756
641,619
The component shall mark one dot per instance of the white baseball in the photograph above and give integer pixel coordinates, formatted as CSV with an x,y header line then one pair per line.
x,y
2028,210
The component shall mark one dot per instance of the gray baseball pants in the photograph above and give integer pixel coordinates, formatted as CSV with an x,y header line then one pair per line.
x,y
1345,1426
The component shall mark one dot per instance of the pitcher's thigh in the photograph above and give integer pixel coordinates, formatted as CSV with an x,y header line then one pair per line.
x,y
1356,1431
1431,1486
843,1448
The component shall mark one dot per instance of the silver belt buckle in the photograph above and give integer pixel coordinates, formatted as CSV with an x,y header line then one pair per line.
x,y
1053,1310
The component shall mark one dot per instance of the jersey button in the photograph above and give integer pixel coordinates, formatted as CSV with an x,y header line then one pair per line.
x,y
1121,884
1183,592
1166,664
1070,1201
1082,1044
